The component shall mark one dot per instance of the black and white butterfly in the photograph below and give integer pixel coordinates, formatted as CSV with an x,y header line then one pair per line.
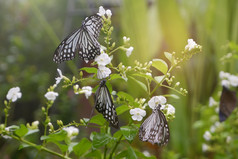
x,y
84,41
228,102
155,128
104,104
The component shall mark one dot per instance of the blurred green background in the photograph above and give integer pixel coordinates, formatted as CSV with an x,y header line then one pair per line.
x,y
30,30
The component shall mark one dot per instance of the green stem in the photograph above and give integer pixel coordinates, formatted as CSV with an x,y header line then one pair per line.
x,y
172,89
105,152
6,112
120,47
39,147
114,148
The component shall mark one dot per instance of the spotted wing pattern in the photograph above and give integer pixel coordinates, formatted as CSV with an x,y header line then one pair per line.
x,y
228,102
84,40
104,104
155,128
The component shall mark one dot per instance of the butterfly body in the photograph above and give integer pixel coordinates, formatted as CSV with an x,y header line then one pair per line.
x,y
104,104
83,40
155,128
228,102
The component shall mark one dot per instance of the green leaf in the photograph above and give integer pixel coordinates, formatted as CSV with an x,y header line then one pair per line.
x,y
24,145
59,136
30,131
98,119
159,78
169,56
89,69
141,84
143,75
121,109
109,86
115,76
100,140
94,154
122,154
129,132
63,148
125,96
131,153
160,65
82,147
140,154
172,96
21,131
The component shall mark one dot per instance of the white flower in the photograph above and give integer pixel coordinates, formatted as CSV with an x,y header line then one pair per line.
x,y
51,95
225,83
191,45
58,79
146,153
156,100
101,11
207,135
103,72
148,74
129,51
108,13
87,90
71,131
212,102
35,124
13,94
170,109
233,80
103,59
125,39
114,93
205,147
137,114
224,75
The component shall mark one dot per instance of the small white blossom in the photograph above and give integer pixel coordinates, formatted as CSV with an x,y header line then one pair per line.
x,y
233,80
125,39
207,136
87,90
35,124
101,11
212,102
71,131
58,79
103,72
156,100
114,93
148,74
103,59
191,45
170,109
146,153
129,51
51,95
225,83
137,114
224,75
205,147
13,94
108,13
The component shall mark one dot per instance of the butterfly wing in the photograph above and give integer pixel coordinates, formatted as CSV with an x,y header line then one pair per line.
x,y
84,40
155,129
228,102
105,106
67,48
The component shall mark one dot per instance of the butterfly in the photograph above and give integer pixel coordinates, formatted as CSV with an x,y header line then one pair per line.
x,y
155,128
228,102
83,40
104,104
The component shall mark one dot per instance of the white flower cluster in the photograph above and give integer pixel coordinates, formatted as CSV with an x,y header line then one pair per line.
x,y
71,131
228,79
14,93
102,60
207,136
87,90
138,114
102,12
191,45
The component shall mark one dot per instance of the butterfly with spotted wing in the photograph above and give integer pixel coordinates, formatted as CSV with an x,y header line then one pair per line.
x,y
84,41
228,102
155,128
104,104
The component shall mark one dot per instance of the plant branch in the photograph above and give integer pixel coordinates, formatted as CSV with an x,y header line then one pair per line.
x,y
114,148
